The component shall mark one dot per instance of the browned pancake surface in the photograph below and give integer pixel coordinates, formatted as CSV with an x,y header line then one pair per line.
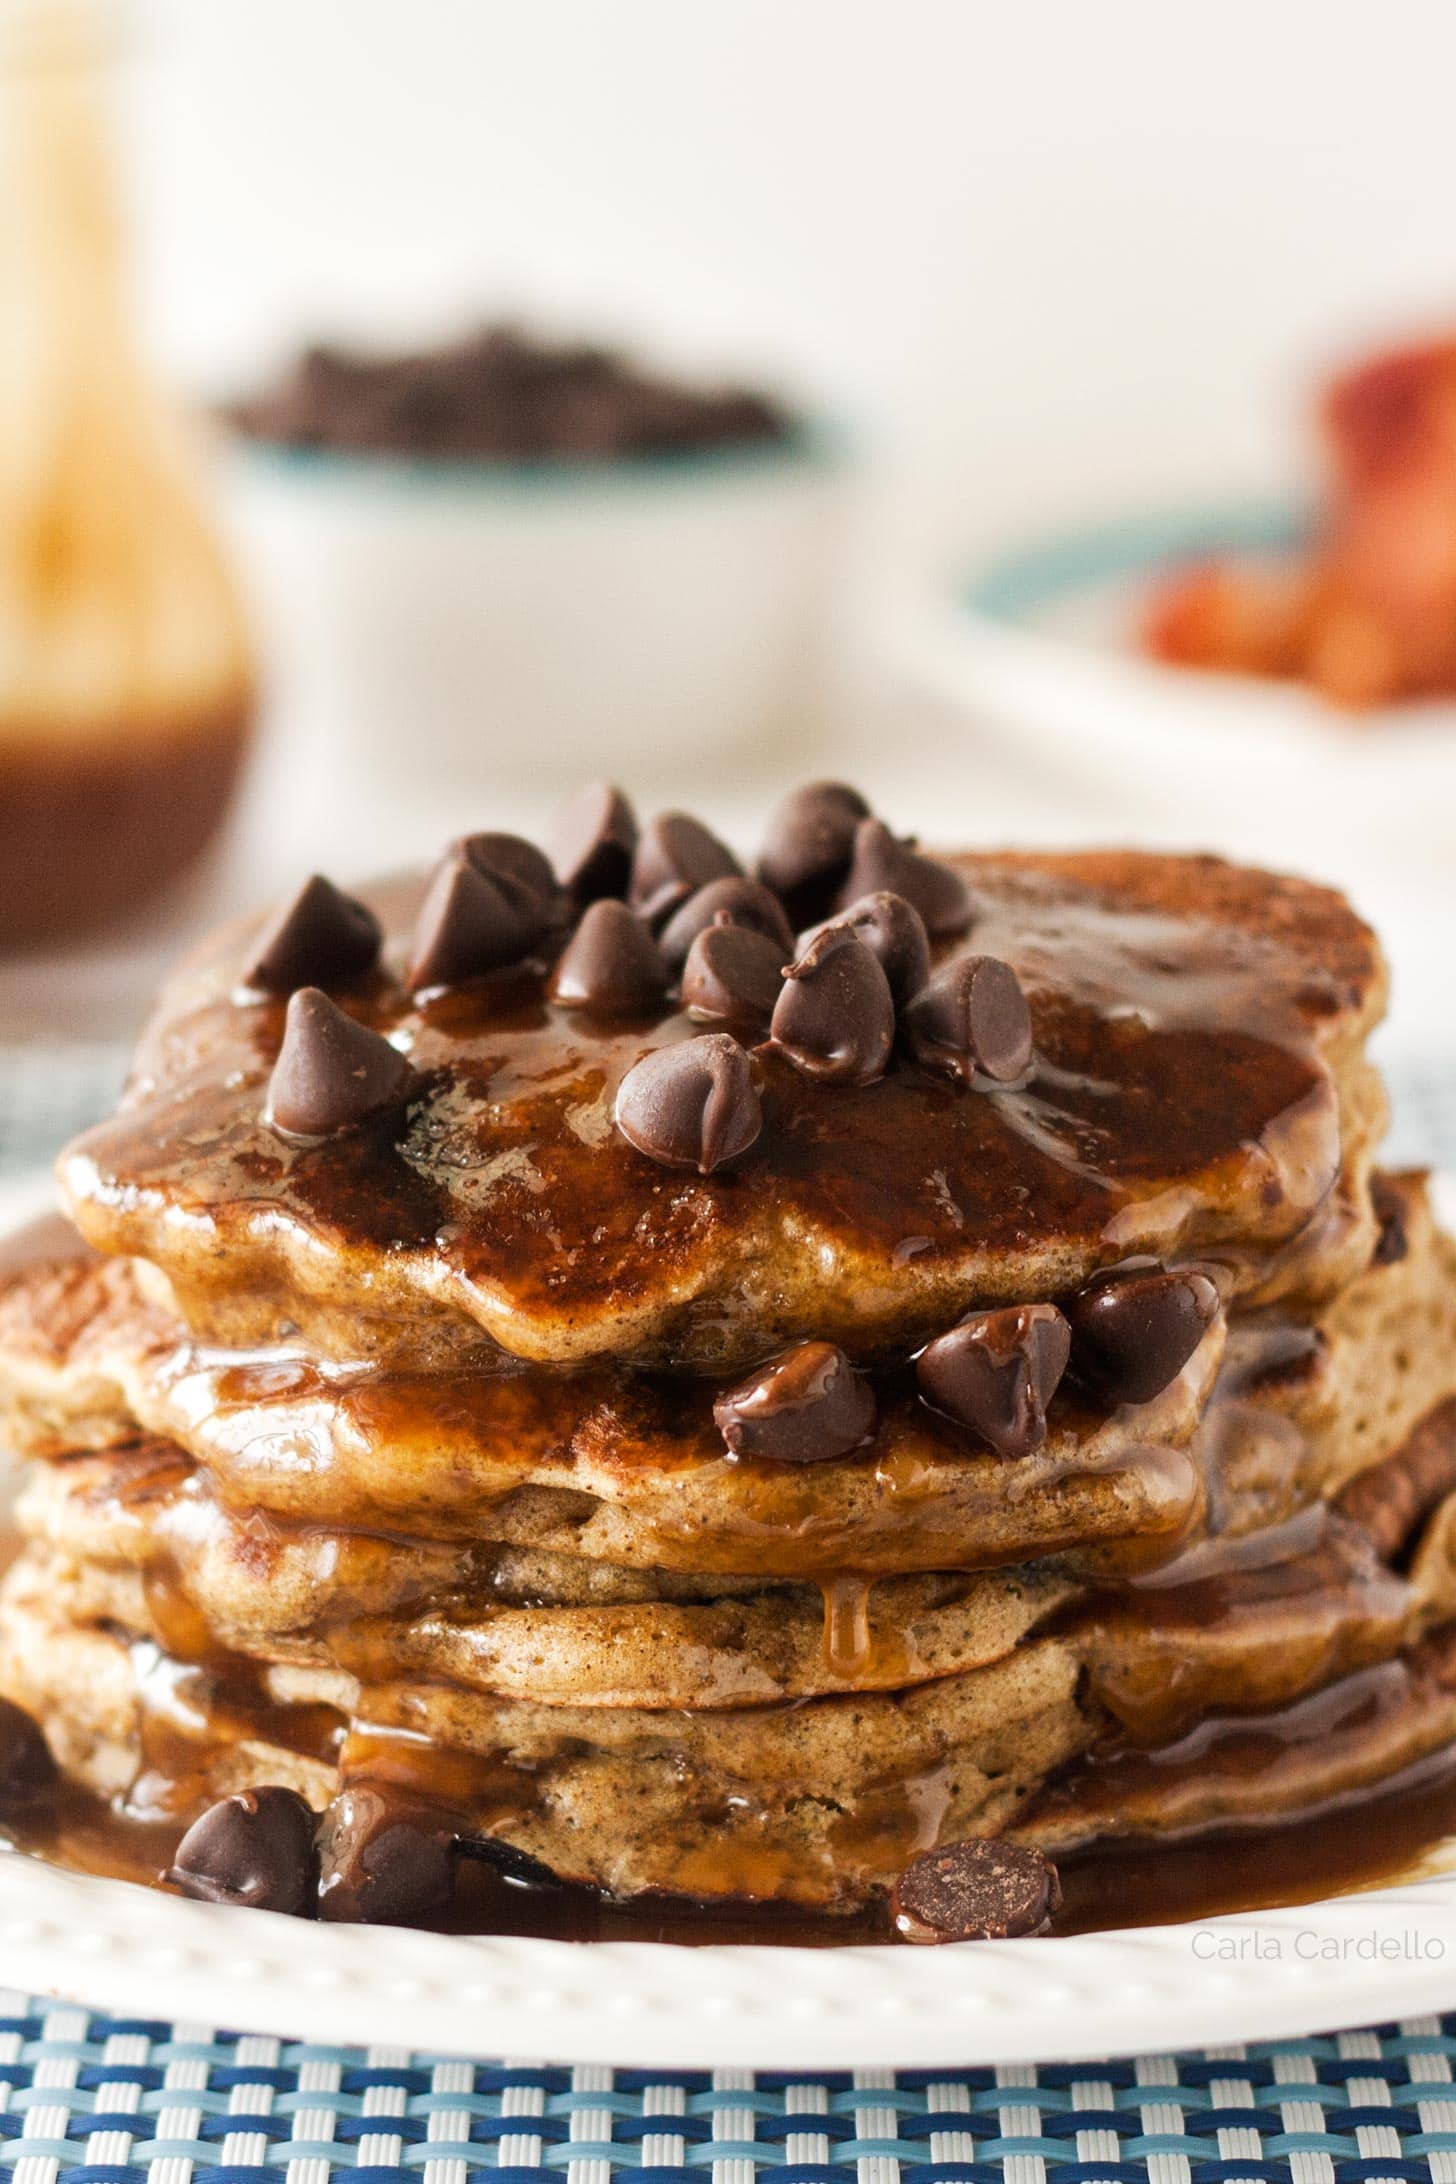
x,y
1192,1020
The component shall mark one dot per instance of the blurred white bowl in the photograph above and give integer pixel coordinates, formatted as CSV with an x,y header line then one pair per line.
x,y
450,627
1036,652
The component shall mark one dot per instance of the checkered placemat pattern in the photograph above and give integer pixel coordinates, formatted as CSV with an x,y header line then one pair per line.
x,y
91,2099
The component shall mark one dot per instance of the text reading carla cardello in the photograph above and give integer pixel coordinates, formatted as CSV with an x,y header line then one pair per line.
x,y
1306,1944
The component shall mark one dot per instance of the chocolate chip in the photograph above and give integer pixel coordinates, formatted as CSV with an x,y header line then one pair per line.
x,y
675,856
733,972
997,1371
981,1890
592,843
693,1105
611,963
321,938
972,1019
835,1019
254,1849
810,841
805,1406
469,924
894,931
1392,1244
502,394
883,864
742,902
520,871
1134,1328
383,1861
28,1774
331,1073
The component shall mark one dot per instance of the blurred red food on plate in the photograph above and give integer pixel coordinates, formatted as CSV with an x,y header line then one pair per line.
x,y
1368,617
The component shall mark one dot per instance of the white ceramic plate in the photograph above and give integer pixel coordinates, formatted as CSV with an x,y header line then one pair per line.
x,y
1355,1960
1036,651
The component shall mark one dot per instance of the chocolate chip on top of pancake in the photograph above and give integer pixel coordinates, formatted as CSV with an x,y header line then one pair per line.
x,y
1184,1074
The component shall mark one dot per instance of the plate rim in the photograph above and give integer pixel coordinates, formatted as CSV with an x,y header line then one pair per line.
x,y
1008,594
1289,1972
981,640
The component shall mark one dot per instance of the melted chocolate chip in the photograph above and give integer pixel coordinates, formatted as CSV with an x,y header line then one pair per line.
x,y
806,1406
997,1371
884,864
980,1890
1134,1329
321,938
742,902
331,1073
469,924
734,973
592,843
383,1861
894,931
254,1849
693,1105
520,871
611,963
972,1019
810,841
835,1019
28,1774
675,856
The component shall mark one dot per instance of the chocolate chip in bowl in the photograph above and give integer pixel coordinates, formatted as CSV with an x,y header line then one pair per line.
x,y
604,1421
500,395
534,552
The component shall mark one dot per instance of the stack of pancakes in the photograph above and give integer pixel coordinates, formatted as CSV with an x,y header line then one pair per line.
x,y
389,1454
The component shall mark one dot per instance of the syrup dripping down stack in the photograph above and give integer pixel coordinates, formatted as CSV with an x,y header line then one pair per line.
x,y
465,1441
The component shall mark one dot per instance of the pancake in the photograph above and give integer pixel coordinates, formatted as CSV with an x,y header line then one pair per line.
x,y
386,1425
661,1801
601,1464
135,1537
1234,1774
1196,1089
752,1649
609,1467
714,1799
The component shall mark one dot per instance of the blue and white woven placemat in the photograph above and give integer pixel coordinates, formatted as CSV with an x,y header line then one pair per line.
x,y
87,2098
